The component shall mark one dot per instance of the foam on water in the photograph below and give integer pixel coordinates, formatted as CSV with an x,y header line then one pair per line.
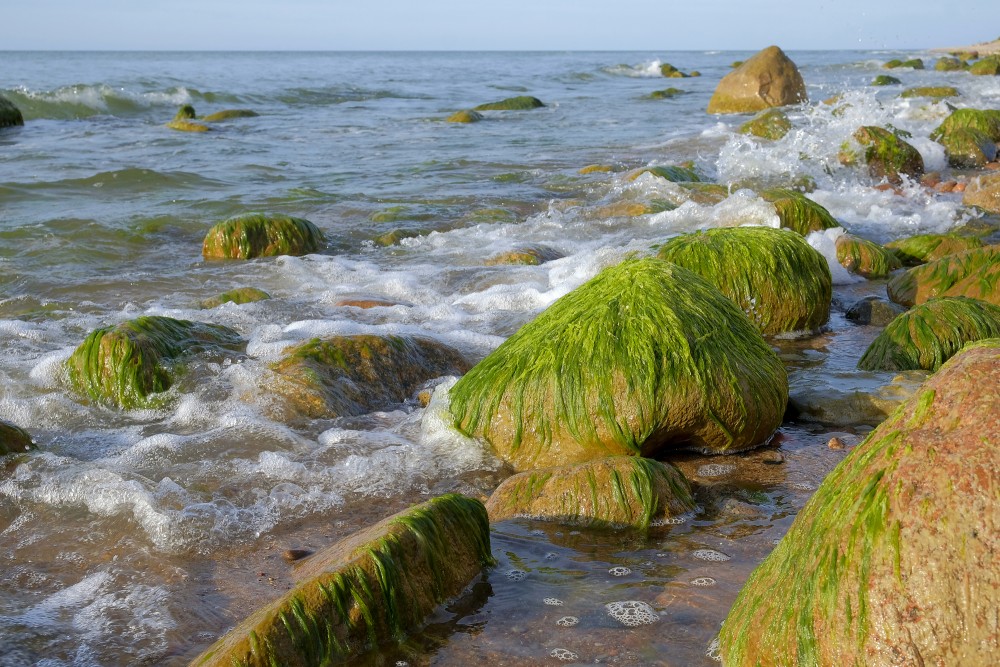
x,y
826,243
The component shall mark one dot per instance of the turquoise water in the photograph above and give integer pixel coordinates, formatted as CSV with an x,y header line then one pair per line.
x,y
138,537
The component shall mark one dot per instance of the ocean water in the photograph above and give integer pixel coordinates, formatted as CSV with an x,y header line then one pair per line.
x,y
138,537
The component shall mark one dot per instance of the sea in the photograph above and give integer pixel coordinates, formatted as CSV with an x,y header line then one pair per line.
x,y
138,537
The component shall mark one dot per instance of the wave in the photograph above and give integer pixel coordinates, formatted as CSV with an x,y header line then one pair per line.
x,y
131,179
86,100
340,94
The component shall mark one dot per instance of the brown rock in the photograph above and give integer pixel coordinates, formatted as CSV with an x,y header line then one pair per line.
x,y
768,79
984,192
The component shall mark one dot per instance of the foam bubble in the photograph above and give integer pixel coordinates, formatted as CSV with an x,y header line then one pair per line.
x,y
715,469
619,571
516,575
710,555
564,654
714,650
567,621
553,602
632,613
703,581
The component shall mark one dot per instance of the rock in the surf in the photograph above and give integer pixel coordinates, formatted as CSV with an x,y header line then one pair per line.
x,y
261,235
865,258
229,114
912,63
983,192
935,92
520,103
13,438
873,310
10,115
973,273
239,295
465,116
527,255
184,121
771,124
767,79
799,213
889,156
984,120
988,66
950,64
923,248
885,80
968,148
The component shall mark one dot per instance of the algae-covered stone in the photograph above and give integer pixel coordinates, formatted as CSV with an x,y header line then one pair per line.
x,y
368,590
671,72
928,335
352,375
612,368
888,156
799,213
666,93
989,66
394,236
770,124
465,116
521,103
184,121
528,255
239,295
873,310
984,192
968,148
893,559
984,120
126,364
913,63
781,282
229,114
614,491
10,115
261,235
923,248
949,64
885,80
936,92
13,438
672,173
865,258
973,273
768,79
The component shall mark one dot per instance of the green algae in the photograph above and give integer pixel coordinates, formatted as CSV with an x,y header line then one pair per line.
x,y
770,124
986,121
969,273
261,235
126,364
240,295
14,439
797,212
229,114
527,256
185,112
520,103
885,80
672,173
10,115
989,66
865,258
950,65
923,248
781,282
914,63
888,155
936,92
465,116
968,148
928,335
666,93
671,72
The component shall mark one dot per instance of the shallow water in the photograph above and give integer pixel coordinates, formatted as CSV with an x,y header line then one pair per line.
x,y
138,537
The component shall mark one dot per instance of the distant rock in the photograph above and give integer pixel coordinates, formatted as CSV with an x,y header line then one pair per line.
x,y
666,93
885,80
13,439
465,116
949,64
10,115
521,103
768,79
671,72
239,295
989,66
936,92
261,235
913,63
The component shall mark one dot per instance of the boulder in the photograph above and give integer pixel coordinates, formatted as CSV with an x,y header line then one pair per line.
x,y
888,156
865,258
873,310
13,439
928,335
986,121
923,248
521,103
332,377
671,72
885,80
770,124
973,273
528,255
666,93
893,559
184,121
781,282
10,115
936,92
238,296
126,364
672,173
913,63
261,235
836,403
466,116
768,79
799,213
983,191
989,66
614,491
229,114
968,148
370,589
612,369
949,64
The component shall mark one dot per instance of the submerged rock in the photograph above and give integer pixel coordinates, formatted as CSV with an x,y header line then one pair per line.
x,y
261,235
885,80
238,296
465,116
923,248
888,156
13,439
874,310
799,213
666,93
936,92
973,273
529,255
895,554
351,375
986,121
229,114
768,79
609,369
184,121
781,282
928,335
126,364
837,404
614,491
984,192
770,124
10,115
671,72
865,258
365,591
521,103
968,148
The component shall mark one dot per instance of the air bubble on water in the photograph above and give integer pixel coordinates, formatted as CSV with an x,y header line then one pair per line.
x,y
632,613
564,654
553,602
710,555
703,581
568,621
516,575
619,571
715,470
670,520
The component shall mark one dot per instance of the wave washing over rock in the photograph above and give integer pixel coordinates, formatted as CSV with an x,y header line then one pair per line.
x,y
140,534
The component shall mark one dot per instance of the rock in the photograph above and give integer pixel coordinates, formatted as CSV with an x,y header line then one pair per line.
x,y
521,103
885,80
767,79
528,255
13,439
989,66
666,93
671,72
369,589
367,302
261,235
950,65
229,114
973,273
983,191
837,404
874,311
781,282
937,92
332,377
968,148
393,237
928,335
770,124
672,173
865,258
184,121
889,156
466,116
986,121
923,248
596,169
893,560
239,295
799,213
126,364
914,63
10,115
613,491
835,443
609,369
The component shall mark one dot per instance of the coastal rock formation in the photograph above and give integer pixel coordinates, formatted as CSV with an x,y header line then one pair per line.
x,y
10,115
799,213
928,335
238,296
923,248
968,148
768,79
770,124
865,258
781,282
261,235
888,156
895,554
973,273
126,364
983,191
610,369
520,103
528,255
352,375
13,438
465,116
369,589
614,491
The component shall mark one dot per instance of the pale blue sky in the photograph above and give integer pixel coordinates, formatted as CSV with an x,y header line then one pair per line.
x,y
498,24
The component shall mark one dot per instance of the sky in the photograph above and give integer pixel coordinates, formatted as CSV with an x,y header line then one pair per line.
x,y
335,25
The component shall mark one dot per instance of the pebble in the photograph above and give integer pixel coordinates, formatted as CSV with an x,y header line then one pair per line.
x,y
835,443
773,458
292,555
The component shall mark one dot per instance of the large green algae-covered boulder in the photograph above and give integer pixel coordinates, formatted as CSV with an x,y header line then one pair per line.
x,y
614,491
781,282
126,364
370,589
936,92
865,258
984,120
240,295
352,375
989,66
983,192
10,115
885,80
770,124
647,357
893,559
261,235
799,213
968,148
768,79
520,103
950,64
973,273
923,248
13,438
888,156
928,335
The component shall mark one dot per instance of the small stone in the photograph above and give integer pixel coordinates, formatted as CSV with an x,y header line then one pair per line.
x,y
773,458
292,555
836,443
424,398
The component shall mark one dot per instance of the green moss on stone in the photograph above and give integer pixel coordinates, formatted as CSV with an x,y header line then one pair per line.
x,y
914,63
949,64
10,115
13,439
671,72
986,121
672,173
125,364
885,80
973,273
799,213
666,93
968,148
923,248
239,295
937,92
645,357
229,114
888,156
186,112
521,103
769,124
261,235
989,66
865,258
465,116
